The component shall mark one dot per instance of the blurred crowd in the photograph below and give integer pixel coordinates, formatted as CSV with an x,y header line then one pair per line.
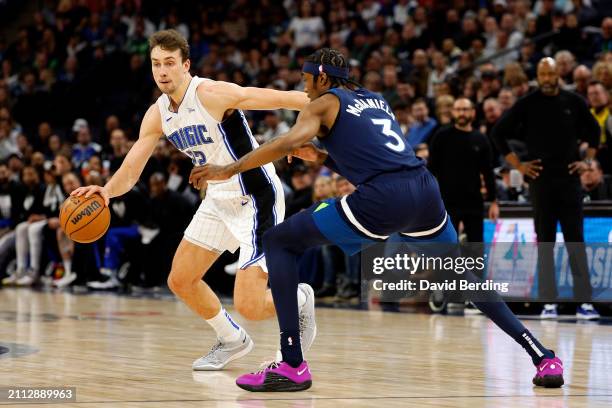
x,y
75,82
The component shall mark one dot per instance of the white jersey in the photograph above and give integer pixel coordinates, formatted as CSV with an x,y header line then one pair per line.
x,y
193,131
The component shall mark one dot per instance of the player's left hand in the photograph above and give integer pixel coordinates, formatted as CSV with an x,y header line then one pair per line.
x,y
578,166
207,172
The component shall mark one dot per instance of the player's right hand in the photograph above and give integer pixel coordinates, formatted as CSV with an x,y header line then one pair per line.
x,y
531,168
88,191
307,152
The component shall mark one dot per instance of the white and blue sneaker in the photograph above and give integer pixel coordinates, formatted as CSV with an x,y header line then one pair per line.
x,y
586,311
223,353
549,311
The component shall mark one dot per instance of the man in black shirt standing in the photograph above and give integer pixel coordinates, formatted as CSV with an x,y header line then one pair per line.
x,y
458,156
552,122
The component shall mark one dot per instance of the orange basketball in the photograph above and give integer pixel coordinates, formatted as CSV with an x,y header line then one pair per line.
x,y
84,219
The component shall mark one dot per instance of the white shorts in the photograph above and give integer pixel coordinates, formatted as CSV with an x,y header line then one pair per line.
x,y
228,223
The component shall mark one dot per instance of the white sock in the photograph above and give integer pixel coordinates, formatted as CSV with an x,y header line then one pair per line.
x,y
227,330
67,267
301,298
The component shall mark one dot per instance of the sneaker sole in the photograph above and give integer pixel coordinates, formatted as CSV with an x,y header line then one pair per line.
x,y
549,381
241,353
581,317
277,383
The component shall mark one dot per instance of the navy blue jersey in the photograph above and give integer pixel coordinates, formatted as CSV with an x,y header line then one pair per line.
x,y
366,140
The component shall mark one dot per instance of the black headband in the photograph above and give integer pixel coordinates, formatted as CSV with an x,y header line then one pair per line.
x,y
316,69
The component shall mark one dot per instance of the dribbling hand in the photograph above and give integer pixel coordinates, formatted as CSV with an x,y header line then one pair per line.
x,y
88,191
199,175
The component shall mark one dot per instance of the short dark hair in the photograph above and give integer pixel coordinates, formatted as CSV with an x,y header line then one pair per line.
x,y
170,40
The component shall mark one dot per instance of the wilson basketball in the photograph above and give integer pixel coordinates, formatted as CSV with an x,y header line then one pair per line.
x,y
84,219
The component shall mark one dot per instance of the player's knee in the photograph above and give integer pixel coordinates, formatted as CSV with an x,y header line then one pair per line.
x,y
274,238
178,283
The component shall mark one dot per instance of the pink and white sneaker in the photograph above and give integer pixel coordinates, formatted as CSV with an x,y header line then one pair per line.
x,y
277,376
549,373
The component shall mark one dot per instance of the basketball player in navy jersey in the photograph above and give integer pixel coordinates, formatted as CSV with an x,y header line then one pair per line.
x,y
395,196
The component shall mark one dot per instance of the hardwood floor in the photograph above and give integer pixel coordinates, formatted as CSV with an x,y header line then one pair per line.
x,y
137,352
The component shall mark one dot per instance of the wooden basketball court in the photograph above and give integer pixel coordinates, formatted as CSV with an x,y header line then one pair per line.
x,y
137,352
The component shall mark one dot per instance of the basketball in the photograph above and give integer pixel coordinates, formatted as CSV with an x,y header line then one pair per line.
x,y
84,219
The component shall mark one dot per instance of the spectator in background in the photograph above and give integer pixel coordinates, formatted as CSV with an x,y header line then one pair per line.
x,y
127,213
307,29
444,107
85,147
66,246
274,126
29,214
62,164
553,121
440,72
582,77
170,215
419,75
459,155
301,196
119,148
594,185
423,125
602,72
30,234
566,63
506,99
599,100
342,186
53,148
492,112
8,189
603,42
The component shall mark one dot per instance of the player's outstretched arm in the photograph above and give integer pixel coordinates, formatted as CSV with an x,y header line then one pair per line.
x,y
128,174
218,96
307,126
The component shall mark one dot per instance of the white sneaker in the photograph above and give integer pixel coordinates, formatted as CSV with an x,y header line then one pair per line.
x,y
222,354
308,325
26,280
10,280
586,311
110,283
549,311
66,280
231,269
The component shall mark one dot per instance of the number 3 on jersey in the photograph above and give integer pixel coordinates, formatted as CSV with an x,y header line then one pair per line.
x,y
399,144
197,157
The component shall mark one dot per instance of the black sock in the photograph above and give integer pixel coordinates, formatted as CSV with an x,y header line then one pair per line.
x,y
282,246
535,349
291,348
496,309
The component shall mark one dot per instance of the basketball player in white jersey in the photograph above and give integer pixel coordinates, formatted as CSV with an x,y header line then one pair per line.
x,y
203,119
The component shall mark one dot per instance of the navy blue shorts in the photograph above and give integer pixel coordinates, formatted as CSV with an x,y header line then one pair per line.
x,y
406,203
